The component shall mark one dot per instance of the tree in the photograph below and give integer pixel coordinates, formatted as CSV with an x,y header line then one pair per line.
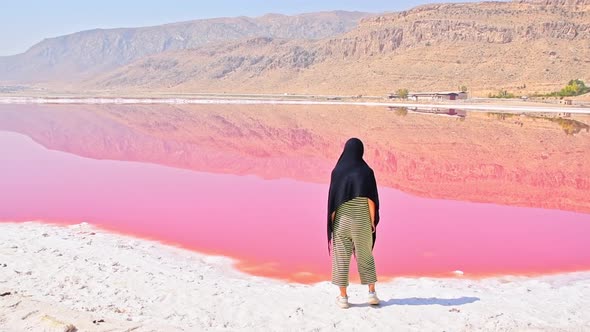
x,y
574,88
403,93
463,88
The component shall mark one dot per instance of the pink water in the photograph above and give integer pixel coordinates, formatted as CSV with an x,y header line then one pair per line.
x,y
277,227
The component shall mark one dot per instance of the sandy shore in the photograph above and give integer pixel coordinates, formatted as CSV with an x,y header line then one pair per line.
x,y
54,278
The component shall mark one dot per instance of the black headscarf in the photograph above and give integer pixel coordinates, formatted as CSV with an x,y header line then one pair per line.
x,y
351,178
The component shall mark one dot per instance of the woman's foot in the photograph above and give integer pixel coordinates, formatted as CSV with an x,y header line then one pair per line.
x,y
373,299
342,302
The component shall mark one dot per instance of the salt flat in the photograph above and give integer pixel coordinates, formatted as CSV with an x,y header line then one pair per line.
x,y
52,277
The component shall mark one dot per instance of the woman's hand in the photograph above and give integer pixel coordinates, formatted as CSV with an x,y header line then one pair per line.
x,y
372,214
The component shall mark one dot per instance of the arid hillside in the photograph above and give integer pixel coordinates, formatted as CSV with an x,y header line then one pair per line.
x,y
524,46
86,53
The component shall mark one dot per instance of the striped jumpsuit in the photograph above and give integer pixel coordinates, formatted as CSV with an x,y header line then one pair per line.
x,y
353,232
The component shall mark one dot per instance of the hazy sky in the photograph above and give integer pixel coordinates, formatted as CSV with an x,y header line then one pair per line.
x,y
26,22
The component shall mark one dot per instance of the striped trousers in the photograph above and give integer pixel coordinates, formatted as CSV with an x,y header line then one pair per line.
x,y
353,232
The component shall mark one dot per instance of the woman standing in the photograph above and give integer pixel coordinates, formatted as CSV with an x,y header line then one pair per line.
x,y
353,215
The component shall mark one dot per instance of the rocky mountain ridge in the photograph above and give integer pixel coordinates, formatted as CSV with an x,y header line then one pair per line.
x,y
486,46
89,52
525,46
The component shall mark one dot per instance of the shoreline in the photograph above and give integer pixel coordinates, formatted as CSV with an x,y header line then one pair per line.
x,y
59,275
243,267
469,105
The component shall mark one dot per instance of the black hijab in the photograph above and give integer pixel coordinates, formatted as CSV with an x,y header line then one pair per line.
x,y
351,178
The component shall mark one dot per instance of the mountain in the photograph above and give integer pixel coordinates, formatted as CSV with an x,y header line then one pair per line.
x,y
86,53
524,46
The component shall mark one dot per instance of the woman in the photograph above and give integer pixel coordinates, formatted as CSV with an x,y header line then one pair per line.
x,y
353,215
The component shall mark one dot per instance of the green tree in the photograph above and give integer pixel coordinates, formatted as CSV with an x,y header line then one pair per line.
x,y
403,93
574,88
463,88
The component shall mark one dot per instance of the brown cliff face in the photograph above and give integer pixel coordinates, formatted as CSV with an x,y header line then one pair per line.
x,y
480,23
521,46
512,160
567,3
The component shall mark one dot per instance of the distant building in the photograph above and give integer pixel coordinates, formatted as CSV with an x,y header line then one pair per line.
x,y
437,96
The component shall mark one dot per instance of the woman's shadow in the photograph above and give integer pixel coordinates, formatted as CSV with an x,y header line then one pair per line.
x,y
425,301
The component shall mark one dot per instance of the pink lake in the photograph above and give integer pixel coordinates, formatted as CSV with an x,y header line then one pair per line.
x,y
251,183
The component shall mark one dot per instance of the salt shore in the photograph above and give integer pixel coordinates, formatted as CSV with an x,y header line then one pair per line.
x,y
525,108
55,278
